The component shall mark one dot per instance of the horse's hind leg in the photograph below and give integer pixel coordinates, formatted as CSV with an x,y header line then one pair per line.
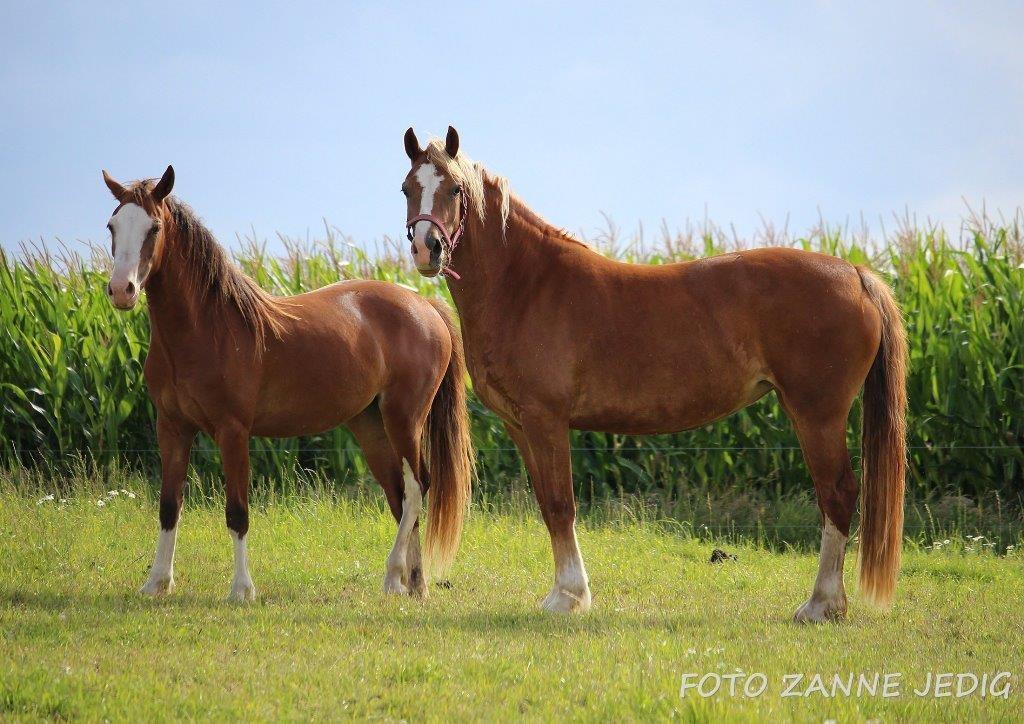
x,y
175,442
404,413
828,460
404,571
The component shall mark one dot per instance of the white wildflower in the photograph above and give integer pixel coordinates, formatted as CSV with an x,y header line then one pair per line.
x,y
45,499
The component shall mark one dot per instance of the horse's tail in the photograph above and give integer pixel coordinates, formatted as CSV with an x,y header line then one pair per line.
x,y
451,456
883,449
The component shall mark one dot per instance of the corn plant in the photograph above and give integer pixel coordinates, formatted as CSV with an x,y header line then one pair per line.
x,y
71,369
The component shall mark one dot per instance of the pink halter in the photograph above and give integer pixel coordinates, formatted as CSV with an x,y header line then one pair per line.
x,y
450,241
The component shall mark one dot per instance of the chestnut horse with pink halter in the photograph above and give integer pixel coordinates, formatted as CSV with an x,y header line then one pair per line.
x,y
559,337
450,242
230,360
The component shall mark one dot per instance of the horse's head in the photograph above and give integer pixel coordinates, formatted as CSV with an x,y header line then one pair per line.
x,y
136,235
436,202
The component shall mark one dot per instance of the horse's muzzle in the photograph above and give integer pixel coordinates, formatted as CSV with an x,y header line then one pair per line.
x,y
123,295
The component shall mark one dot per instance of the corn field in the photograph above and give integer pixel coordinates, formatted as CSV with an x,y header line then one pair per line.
x,y
71,368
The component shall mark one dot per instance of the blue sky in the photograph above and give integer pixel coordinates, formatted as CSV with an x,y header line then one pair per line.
x,y
277,117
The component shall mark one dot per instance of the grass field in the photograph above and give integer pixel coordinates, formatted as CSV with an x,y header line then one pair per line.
x,y
322,641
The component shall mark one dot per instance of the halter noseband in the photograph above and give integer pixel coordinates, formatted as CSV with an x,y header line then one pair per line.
x,y
450,241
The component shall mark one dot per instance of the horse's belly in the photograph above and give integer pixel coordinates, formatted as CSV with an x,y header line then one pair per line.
x,y
309,411
649,410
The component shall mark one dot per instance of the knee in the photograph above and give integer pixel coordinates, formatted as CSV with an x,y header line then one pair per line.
x,y
237,517
169,509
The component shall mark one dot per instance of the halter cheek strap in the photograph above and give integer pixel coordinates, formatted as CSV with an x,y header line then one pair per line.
x,y
450,241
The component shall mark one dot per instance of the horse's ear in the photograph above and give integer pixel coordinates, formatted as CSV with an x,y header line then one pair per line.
x,y
412,145
164,185
451,142
115,188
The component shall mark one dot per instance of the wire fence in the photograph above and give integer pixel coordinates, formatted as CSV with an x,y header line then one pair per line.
x,y
604,448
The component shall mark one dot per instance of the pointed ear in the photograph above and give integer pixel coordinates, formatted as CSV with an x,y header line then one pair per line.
x,y
451,142
412,146
115,188
164,185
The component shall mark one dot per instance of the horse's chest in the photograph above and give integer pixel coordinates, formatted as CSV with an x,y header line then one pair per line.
x,y
492,388
178,389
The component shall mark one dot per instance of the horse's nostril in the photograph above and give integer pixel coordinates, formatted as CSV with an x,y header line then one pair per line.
x,y
110,290
130,289
433,244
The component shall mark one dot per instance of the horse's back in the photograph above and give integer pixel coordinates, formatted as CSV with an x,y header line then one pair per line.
x,y
694,341
759,293
344,345
393,315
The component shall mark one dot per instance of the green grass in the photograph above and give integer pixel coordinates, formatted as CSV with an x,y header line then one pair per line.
x,y
76,641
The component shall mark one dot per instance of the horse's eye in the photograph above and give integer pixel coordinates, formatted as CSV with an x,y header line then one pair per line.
x,y
405,192
456,191
110,228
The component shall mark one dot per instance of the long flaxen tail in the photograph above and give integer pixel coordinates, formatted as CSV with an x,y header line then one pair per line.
x,y
884,449
451,456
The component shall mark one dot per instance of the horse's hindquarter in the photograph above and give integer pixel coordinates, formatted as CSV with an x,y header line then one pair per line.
x,y
662,349
347,343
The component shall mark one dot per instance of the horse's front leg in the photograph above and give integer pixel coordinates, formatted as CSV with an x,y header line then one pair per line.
x,y
175,441
547,459
233,441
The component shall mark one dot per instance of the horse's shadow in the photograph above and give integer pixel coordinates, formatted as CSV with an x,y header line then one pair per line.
x,y
335,612
108,602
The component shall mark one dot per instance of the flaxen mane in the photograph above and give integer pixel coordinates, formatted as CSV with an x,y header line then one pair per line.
x,y
473,177
212,274
470,175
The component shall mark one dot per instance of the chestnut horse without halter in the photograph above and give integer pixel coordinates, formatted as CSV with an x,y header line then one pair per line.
x,y
559,337
231,360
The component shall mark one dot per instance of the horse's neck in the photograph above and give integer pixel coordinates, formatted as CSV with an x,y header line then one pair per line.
x,y
499,269
495,257
174,311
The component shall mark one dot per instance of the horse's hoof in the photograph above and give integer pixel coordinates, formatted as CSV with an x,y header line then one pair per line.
x,y
820,611
156,587
242,592
562,600
418,585
393,586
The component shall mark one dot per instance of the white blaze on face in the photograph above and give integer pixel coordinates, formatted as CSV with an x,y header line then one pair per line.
x,y
429,179
129,228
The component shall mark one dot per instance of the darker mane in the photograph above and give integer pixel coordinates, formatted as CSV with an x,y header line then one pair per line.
x,y
210,273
